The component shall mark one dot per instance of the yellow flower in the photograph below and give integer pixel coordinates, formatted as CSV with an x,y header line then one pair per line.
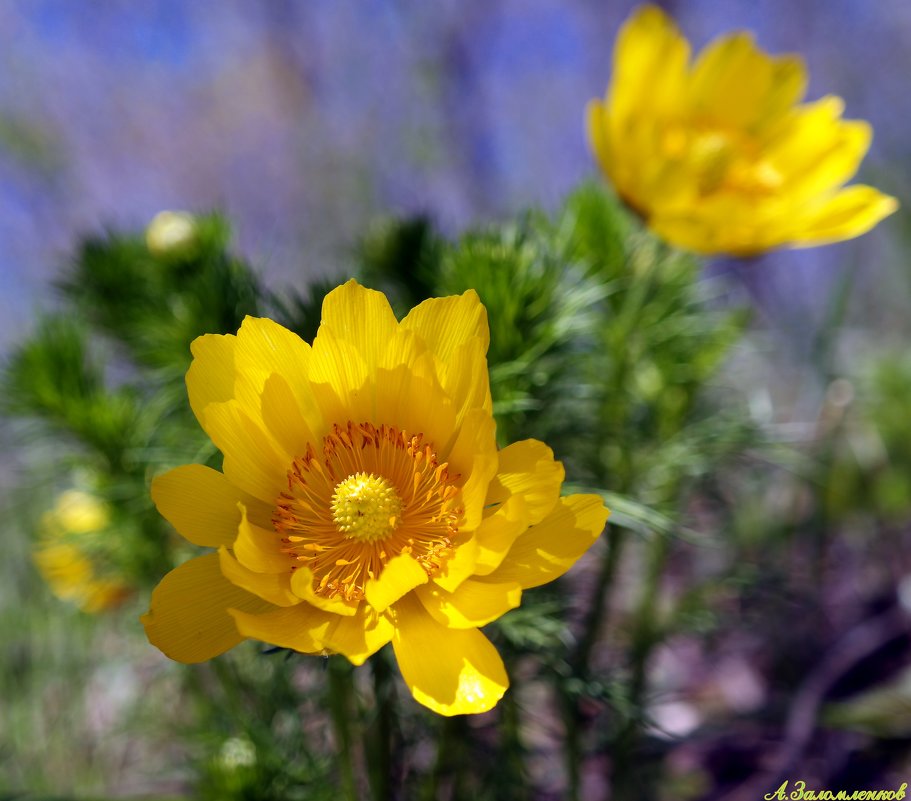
x,y
719,156
363,499
61,557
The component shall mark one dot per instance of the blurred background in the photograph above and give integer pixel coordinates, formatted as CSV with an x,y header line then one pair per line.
x,y
304,122
309,125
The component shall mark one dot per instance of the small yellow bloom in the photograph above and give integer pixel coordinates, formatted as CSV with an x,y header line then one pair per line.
x,y
61,555
719,156
77,512
363,499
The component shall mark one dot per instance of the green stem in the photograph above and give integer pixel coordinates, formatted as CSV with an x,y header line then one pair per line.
x,y
449,769
381,764
579,662
515,784
572,741
598,609
627,779
341,701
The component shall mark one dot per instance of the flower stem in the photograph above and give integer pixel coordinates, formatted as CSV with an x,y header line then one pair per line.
x,y
378,737
341,699
595,622
627,778
515,785
447,779
598,609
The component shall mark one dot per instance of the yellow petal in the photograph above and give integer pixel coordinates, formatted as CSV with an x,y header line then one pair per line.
x,y
814,149
599,139
338,363
451,671
210,378
254,462
272,587
735,83
286,421
460,565
466,380
473,604
477,436
820,161
650,67
546,551
851,212
497,533
362,317
264,347
527,468
188,618
289,627
236,367
445,323
416,405
260,549
302,586
739,226
308,630
403,348
726,224
330,407
787,86
400,576
473,456
201,504
357,637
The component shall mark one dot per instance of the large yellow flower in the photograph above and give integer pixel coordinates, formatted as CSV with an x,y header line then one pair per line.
x,y
718,156
363,498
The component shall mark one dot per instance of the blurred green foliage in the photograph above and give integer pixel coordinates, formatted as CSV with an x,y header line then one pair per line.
x,y
871,462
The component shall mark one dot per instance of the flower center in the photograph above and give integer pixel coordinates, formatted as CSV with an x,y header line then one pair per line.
x,y
366,507
722,159
367,495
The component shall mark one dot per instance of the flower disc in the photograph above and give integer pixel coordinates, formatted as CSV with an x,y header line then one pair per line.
x,y
370,494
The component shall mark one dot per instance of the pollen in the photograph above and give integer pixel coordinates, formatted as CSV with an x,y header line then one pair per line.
x,y
366,507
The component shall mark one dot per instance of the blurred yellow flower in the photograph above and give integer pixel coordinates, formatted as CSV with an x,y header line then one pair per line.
x,y
61,555
77,512
719,156
363,498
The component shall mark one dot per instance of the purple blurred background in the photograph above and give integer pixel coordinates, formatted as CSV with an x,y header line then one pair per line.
x,y
305,121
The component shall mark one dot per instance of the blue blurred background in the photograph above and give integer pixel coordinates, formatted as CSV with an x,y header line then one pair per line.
x,y
306,121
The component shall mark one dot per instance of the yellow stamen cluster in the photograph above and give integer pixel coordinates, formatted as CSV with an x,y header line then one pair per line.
x,y
366,507
373,492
